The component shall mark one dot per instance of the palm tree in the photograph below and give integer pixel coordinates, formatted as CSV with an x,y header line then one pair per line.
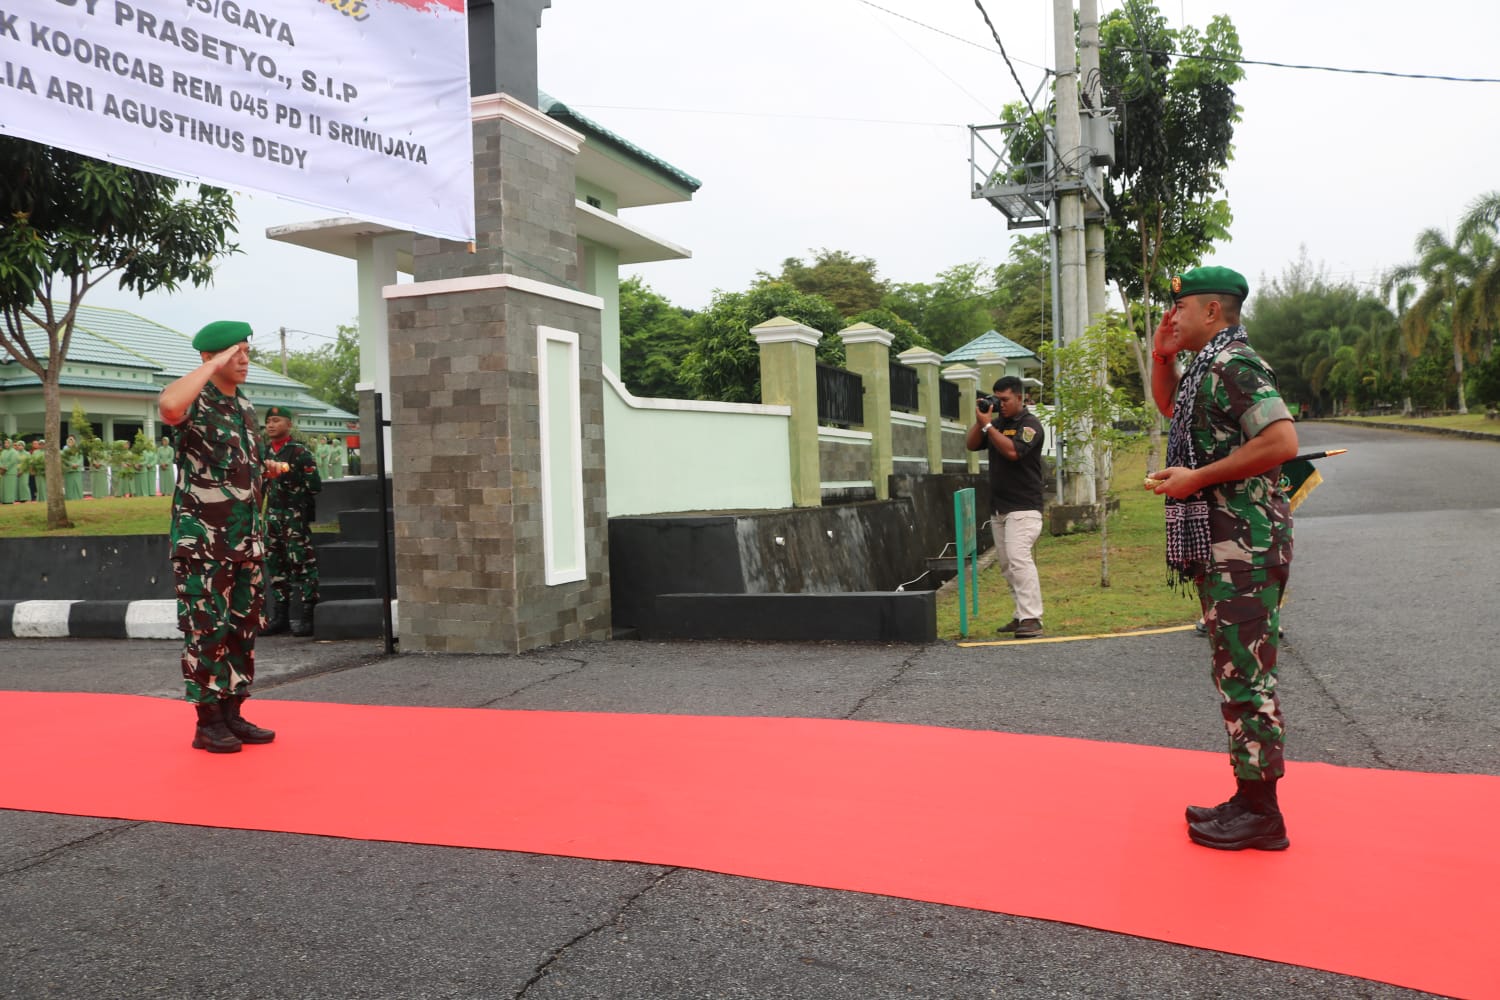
x,y
1448,271
1481,226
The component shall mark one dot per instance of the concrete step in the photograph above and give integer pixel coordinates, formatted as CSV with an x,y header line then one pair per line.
x,y
356,619
349,560
362,525
347,589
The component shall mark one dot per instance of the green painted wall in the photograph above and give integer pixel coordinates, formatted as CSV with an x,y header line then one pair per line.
x,y
693,456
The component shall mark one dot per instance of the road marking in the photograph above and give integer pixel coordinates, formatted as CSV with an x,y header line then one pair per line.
x,y
1077,638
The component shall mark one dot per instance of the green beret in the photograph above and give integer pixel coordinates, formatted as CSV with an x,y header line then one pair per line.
x,y
1210,281
279,411
220,334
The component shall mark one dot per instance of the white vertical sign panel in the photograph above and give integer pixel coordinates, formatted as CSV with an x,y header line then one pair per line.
x,y
357,106
560,417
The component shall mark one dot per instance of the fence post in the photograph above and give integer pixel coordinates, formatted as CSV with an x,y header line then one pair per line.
x,y
967,380
991,369
788,377
929,400
868,349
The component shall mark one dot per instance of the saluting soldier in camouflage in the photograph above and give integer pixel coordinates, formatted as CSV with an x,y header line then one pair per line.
x,y
1229,532
217,545
290,556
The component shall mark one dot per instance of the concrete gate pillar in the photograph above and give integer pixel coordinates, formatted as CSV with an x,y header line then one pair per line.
x,y
497,411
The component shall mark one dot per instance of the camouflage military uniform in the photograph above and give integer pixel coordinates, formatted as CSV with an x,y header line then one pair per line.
x,y
1250,526
216,544
290,556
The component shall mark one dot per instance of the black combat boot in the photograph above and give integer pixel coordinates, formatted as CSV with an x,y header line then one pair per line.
x,y
1255,823
302,619
277,624
1236,802
212,734
243,729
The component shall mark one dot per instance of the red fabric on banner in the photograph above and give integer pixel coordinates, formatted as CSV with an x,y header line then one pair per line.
x,y
1059,829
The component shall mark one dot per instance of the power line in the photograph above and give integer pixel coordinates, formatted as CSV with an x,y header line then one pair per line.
x,y
923,56
1398,74
767,114
1306,66
1014,76
957,38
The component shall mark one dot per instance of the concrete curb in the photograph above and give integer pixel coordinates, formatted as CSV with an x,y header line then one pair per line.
x,y
154,619
88,619
1415,429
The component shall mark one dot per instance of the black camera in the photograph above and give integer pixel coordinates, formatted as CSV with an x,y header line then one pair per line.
x,y
988,403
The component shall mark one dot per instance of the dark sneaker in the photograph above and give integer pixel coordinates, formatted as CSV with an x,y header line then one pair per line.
x,y
1201,628
1029,628
1009,626
1240,830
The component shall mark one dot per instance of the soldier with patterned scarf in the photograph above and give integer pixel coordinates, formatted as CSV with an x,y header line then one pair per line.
x,y
1229,533
217,548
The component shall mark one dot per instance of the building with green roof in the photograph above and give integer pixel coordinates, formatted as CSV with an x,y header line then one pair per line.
x,y
117,364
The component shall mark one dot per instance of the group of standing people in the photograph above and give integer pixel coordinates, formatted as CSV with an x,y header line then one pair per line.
x,y
134,474
17,484
241,511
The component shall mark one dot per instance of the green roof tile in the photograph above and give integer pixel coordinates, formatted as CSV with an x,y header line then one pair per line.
x,y
554,108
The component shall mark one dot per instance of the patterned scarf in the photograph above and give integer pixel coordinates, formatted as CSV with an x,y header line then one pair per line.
x,y
1188,544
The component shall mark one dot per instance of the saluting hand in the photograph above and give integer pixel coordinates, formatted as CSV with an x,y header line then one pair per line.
x,y
1165,341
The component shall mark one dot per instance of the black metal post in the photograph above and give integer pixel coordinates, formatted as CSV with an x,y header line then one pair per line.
x,y
387,584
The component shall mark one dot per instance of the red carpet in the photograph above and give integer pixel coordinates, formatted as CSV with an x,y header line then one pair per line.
x,y
1054,828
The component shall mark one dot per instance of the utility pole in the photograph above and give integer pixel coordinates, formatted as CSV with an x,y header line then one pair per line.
x,y
283,350
1074,304
1093,100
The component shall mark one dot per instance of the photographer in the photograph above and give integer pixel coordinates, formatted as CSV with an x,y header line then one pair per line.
x,y
1013,437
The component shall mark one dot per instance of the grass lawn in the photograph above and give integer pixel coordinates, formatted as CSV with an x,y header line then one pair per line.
x,y
1475,421
109,516
1138,596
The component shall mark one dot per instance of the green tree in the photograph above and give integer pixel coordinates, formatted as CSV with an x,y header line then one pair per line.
x,y
1021,305
1484,381
951,311
724,362
1329,342
1174,91
848,282
655,337
904,335
1099,416
69,222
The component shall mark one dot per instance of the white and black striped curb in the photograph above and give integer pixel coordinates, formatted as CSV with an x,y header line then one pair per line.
x,y
89,619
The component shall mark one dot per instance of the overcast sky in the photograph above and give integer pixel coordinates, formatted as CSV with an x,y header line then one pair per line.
x,y
833,123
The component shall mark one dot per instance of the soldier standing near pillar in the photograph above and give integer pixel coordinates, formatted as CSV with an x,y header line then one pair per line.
x,y
290,556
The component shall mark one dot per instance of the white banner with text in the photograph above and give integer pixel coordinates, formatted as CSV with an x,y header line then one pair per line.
x,y
356,106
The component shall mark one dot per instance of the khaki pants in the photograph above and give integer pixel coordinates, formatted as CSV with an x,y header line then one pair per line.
x,y
1015,535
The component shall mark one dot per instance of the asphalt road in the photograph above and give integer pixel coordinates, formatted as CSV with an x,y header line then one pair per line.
x,y
1390,630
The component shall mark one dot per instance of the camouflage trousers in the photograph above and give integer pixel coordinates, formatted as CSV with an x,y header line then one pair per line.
x,y
1242,610
219,613
291,558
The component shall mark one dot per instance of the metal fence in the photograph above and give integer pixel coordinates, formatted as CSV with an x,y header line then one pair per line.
x,y
841,397
948,400
903,388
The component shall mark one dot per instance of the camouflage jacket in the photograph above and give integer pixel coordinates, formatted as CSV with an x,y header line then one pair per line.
x,y
1250,522
294,490
216,503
